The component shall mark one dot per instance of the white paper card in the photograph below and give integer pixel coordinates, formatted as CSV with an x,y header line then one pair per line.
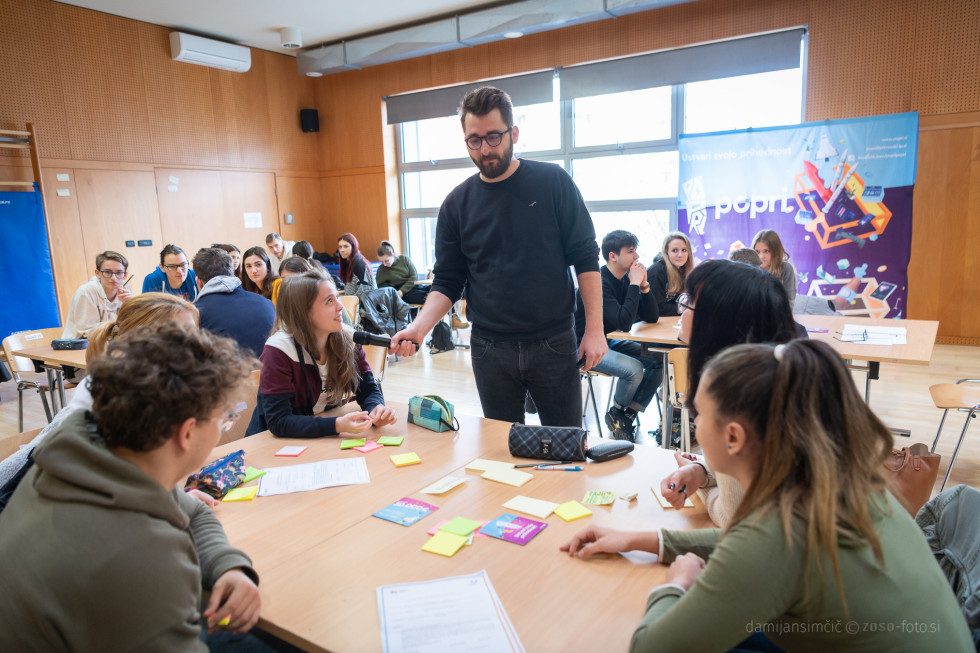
x,y
253,220
62,176
64,192
461,613
174,180
313,476
290,451
873,335
171,188
443,485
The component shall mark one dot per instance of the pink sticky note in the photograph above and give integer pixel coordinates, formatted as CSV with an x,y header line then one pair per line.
x,y
290,451
370,445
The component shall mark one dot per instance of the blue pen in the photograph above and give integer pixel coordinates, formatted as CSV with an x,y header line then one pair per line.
x,y
547,468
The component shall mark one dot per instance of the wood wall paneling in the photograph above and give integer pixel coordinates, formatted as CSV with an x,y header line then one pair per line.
x,y
286,93
353,204
253,192
301,196
192,209
102,83
30,89
946,75
116,206
71,268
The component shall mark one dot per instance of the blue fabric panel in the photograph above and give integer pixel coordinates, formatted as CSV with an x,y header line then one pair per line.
x,y
27,295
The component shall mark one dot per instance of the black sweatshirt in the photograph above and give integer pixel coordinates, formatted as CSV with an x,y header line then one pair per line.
x,y
622,305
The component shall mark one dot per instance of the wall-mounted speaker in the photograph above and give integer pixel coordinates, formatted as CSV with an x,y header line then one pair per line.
x,y
309,120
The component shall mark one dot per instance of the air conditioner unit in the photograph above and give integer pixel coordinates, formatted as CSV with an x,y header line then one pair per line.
x,y
207,52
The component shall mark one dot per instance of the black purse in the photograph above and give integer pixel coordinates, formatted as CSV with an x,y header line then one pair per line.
x,y
547,442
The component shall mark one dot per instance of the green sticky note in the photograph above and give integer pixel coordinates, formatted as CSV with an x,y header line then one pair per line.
x,y
251,473
391,440
460,526
596,498
350,444
241,494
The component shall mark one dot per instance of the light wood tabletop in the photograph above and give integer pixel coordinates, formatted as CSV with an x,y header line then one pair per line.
x,y
46,354
921,337
321,555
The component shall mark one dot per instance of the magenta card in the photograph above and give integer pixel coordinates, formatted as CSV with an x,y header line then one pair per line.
x,y
511,528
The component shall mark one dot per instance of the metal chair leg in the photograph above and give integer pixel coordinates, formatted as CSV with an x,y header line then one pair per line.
x,y
595,407
938,431
20,410
952,460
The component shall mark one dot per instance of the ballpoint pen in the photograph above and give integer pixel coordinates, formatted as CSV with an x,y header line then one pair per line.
x,y
563,462
549,468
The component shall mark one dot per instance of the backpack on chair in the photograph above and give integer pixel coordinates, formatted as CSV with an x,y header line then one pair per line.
x,y
442,339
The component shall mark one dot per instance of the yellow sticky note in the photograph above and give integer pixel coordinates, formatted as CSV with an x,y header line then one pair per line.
x,y
445,544
403,459
242,493
225,621
534,507
481,465
350,444
663,502
514,477
572,510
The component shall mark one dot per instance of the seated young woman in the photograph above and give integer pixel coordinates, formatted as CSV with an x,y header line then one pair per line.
x,y
236,257
669,271
257,273
398,272
775,260
290,267
726,303
819,549
355,270
310,364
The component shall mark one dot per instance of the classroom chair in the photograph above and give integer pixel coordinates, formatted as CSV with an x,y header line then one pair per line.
x,y
377,358
351,303
20,364
963,395
677,385
11,444
237,430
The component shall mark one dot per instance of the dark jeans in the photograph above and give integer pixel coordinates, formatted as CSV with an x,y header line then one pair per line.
x,y
639,376
506,371
416,295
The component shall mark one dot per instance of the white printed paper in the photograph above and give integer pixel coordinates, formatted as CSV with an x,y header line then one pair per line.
x,y
171,188
174,180
253,220
873,335
443,485
313,476
461,613
64,192
62,176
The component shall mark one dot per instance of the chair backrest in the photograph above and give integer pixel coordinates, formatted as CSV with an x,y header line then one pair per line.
x,y
27,340
237,430
350,303
677,374
377,358
11,444
956,395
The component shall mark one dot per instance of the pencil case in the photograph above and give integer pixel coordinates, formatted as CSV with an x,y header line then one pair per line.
x,y
218,477
432,412
547,442
69,343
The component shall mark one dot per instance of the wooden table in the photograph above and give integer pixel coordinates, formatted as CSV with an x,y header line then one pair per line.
x,y
920,339
52,360
321,555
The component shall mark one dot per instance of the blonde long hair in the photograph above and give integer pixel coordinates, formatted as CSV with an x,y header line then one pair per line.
x,y
776,252
141,310
822,448
676,277
296,298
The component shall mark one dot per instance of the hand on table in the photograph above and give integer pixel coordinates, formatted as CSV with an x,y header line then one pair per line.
x,y
684,570
598,539
354,422
236,597
205,498
382,415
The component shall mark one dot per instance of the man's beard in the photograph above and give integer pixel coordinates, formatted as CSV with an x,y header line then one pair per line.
x,y
491,166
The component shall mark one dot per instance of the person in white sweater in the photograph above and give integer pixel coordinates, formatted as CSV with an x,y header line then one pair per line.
x,y
99,299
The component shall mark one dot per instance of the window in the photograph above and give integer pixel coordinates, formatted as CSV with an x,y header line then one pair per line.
x,y
620,148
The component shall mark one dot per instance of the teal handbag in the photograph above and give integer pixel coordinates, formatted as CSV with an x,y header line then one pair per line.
x,y
432,412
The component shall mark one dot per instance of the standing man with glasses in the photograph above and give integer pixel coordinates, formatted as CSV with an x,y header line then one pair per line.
x,y
100,298
509,235
173,276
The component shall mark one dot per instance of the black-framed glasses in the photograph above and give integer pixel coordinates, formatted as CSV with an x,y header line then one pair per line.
x,y
682,303
108,274
225,423
174,268
492,138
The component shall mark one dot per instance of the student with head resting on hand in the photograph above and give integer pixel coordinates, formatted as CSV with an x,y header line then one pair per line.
x,y
310,364
669,271
726,303
818,539
104,550
99,299
775,260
